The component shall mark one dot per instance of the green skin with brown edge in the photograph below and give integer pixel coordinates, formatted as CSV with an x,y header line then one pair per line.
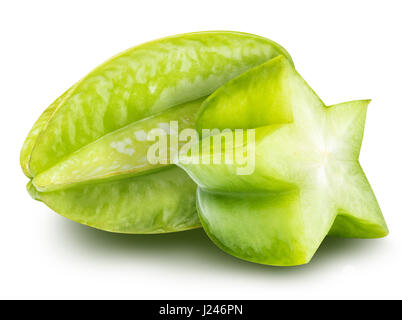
x,y
84,155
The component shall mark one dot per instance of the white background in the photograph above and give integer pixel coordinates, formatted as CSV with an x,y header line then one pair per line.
x,y
344,49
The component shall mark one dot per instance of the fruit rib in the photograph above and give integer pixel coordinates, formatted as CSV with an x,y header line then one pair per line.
x,y
307,177
37,128
157,202
119,154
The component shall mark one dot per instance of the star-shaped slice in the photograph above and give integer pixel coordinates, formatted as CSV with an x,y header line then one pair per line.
x,y
307,181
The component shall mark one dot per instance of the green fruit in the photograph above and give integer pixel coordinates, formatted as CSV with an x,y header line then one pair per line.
x,y
84,156
307,181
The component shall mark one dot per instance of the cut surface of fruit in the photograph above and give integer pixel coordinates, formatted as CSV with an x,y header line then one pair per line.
x,y
307,180
93,137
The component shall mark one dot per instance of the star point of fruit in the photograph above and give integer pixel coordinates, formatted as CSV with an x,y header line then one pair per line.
x,y
307,181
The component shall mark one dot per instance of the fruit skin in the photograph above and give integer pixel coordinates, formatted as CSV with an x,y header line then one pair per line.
x,y
159,202
139,83
307,181
119,154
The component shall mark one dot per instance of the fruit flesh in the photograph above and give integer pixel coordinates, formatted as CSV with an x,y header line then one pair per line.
x,y
129,90
307,173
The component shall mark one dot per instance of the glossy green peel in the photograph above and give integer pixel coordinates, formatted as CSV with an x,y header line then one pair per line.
x,y
158,202
116,155
307,181
85,154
